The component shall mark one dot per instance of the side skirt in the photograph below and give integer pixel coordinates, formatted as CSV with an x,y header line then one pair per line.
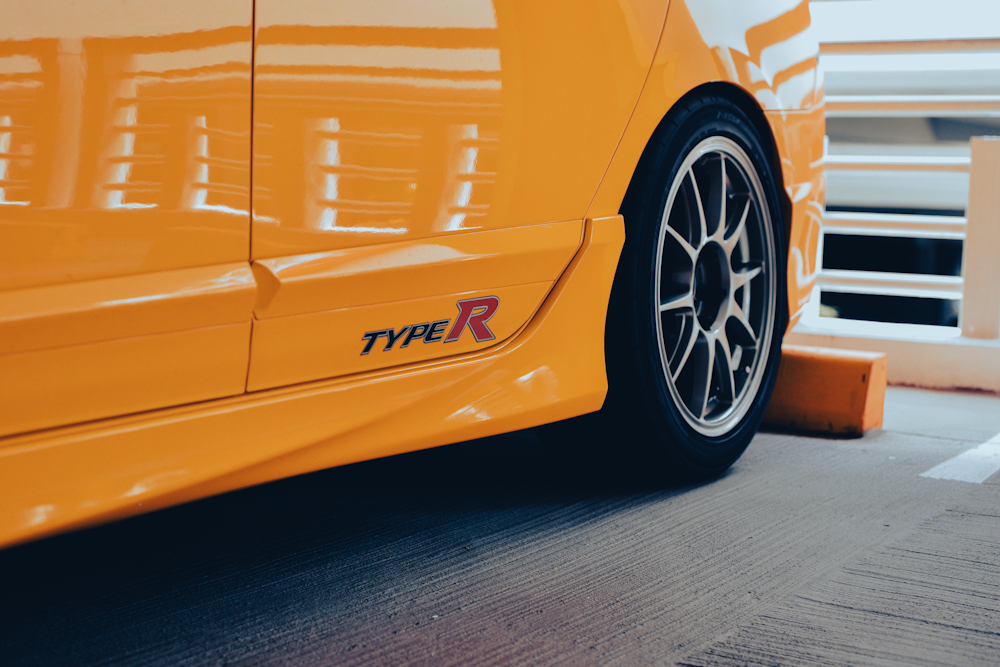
x,y
552,369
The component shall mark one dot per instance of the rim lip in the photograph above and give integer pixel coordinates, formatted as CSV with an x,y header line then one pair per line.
x,y
725,423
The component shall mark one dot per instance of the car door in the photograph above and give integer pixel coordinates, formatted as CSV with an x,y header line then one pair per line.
x,y
125,283
422,169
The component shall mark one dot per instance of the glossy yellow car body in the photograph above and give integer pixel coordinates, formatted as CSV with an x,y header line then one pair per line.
x,y
204,205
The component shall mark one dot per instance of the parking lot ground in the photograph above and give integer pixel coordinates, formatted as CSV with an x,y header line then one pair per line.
x,y
515,550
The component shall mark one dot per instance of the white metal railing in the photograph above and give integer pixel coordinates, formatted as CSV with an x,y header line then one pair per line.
x,y
967,356
936,356
936,227
977,260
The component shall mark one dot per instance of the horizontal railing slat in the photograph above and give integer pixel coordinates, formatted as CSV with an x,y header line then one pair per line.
x,y
896,225
891,284
896,163
911,46
862,106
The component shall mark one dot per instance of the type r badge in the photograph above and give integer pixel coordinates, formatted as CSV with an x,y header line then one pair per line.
x,y
473,314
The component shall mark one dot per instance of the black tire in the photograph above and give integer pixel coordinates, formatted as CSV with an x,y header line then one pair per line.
x,y
673,313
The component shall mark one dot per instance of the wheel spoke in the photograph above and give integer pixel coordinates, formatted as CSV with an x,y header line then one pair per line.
x,y
741,317
720,229
701,209
682,242
726,368
741,278
686,354
685,301
730,243
703,379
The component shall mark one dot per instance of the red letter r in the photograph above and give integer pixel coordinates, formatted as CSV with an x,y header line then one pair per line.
x,y
474,313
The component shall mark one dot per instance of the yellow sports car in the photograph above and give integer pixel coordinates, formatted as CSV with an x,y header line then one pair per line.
x,y
246,239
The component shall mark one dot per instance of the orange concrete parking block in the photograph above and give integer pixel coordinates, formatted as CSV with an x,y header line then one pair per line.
x,y
841,392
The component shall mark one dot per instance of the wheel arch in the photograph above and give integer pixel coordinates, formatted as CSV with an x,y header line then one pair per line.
x,y
749,106
742,99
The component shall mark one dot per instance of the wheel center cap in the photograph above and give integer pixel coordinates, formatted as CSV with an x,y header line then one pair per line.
x,y
711,286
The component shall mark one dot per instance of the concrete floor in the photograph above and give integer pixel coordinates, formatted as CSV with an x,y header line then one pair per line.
x,y
810,551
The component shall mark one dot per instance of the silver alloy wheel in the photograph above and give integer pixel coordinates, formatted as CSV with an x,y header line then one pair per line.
x,y
715,286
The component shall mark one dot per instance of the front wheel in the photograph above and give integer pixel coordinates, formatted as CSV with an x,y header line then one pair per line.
x,y
698,306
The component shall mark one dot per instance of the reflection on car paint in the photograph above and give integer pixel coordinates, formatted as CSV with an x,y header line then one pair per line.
x,y
769,46
411,120
414,142
124,139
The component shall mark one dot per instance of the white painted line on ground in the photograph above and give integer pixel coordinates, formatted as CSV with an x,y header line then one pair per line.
x,y
974,465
